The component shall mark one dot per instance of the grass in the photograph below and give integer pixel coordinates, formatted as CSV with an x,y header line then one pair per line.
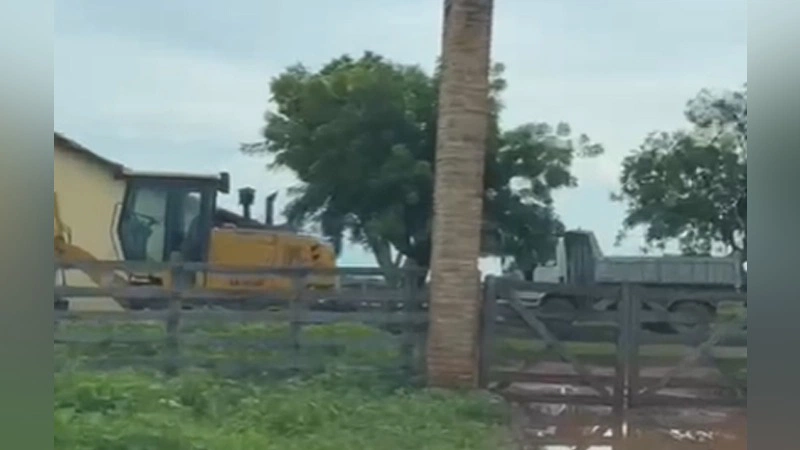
x,y
334,407
204,408
229,349
137,410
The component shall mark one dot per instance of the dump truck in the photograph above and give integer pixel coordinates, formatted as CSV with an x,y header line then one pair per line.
x,y
159,214
580,261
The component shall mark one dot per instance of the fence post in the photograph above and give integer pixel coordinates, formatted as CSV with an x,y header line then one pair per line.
x,y
488,319
295,310
409,328
634,372
178,281
622,381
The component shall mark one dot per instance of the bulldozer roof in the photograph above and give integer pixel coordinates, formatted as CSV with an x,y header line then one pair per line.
x,y
222,179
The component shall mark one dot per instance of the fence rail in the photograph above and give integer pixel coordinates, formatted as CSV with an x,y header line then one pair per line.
x,y
187,325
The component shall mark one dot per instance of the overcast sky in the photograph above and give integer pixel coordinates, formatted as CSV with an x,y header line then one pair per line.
x,y
177,84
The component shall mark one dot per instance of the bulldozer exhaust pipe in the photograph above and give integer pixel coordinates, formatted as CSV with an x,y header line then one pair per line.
x,y
269,218
246,197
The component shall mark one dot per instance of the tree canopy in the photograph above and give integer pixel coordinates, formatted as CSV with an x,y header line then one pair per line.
x,y
360,135
691,185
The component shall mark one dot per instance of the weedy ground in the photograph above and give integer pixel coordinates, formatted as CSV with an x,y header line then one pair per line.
x,y
334,409
129,410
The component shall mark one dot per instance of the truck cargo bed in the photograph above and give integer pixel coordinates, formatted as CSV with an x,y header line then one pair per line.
x,y
678,270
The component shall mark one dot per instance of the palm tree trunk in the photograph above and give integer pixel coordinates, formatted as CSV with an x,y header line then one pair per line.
x,y
458,199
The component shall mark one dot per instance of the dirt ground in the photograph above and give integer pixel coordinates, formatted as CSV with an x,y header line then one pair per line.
x,y
537,426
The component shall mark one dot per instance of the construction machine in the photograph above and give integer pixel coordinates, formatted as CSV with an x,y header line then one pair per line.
x,y
161,214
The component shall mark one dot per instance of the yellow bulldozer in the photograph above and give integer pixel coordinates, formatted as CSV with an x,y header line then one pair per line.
x,y
159,214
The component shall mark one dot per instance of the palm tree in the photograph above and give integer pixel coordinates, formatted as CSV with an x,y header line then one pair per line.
x,y
458,199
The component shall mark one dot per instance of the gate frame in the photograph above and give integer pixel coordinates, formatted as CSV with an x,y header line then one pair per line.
x,y
631,390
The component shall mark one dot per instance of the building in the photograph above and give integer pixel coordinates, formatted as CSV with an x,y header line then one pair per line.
x,y
86,185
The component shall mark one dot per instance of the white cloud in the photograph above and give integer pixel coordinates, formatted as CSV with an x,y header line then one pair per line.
x,y
145,91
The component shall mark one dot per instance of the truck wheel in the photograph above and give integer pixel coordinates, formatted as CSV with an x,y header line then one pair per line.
x,y
61,305
136,305
701,314
561,328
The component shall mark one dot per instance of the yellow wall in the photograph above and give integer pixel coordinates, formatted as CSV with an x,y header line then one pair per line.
x,y
87,194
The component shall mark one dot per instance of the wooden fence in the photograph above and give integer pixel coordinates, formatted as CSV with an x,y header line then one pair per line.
x,y
295,331
608,362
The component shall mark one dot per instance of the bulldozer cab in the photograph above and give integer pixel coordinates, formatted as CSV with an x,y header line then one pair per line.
x,y
163,213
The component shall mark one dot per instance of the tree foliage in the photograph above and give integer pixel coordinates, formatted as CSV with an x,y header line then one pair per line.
x,y
691,185
360,135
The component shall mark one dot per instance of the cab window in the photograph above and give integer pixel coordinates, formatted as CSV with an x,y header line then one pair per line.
x,y
158,219
143,224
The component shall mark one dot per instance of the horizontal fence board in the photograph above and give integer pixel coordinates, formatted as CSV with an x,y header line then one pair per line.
x,y
277,343
596,334
89,338
651,293
113,266
608,334
504,312
344,295
608,379
355,295
146,316
288,362
570,441
580,417
737,339
606,355
220,269
511,288
571,399
127,292
232,342
233,317
652,419
686,402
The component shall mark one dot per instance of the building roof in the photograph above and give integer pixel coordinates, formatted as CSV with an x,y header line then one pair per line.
x,y
68,144
222,214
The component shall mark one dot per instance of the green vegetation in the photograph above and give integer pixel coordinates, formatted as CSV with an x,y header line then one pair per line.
x,y
335,405
233,349
136,410
360,135
691,185
230,396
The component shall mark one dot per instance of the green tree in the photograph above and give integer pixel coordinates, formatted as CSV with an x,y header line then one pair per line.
x,y
691,185
360,134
